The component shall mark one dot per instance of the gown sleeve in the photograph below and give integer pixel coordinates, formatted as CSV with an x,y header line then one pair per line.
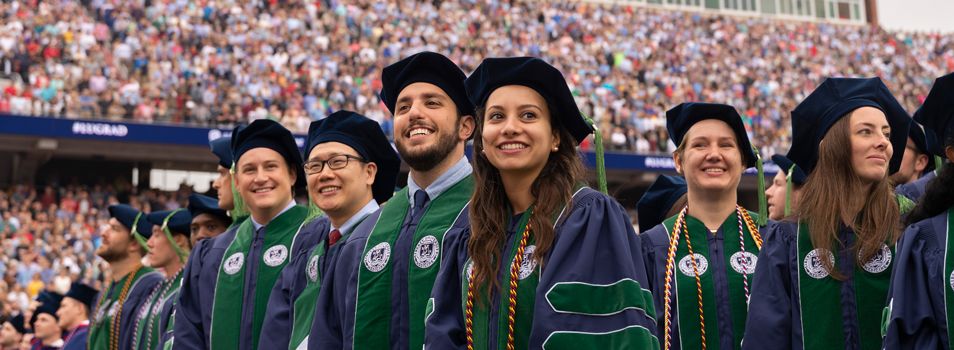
x,y
166,335
654,243
594,290
444,321
769,323
138,296
189,330
916,312
329,330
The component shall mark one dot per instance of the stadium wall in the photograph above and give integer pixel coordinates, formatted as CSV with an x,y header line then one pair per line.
x,y
916,15
43,150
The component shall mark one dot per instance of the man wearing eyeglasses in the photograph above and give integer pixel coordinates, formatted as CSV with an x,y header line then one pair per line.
x,y
375,293
350,168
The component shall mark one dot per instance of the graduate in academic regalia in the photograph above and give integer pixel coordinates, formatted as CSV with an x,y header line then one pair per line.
x,y
224,185
375,292
663,199
123,246
228,279
11,333
917,160
914,174
74,315
782,195
169,247
47,334
545,261
921,294
701,261
822,276
208,220
351,169
935,102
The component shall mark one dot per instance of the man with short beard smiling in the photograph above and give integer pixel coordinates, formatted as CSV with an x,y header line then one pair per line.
x,y
376,292
123,246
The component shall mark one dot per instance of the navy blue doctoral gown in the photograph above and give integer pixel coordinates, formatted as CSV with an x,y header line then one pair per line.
x,y
138,293
167,313
333,327
916,189
193,316
77,339
277,328
774,320
655,244
918,317
194,310
594,244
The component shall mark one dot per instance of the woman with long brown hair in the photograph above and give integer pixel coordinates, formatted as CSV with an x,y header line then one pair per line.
x,y
545,262
822,276
701,260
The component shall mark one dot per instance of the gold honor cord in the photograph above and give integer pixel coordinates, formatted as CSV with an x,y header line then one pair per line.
x,y
114,325
512,296
680,226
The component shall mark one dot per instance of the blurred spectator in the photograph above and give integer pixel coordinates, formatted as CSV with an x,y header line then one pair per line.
x,y
48,236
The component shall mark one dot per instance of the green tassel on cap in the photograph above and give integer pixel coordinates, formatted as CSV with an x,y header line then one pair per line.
x,y
239,210
313,210
938,163
138,236
165,228
600,157
788,190
763,204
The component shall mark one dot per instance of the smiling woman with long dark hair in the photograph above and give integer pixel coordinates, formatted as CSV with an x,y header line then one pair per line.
x,y
546,262
822,277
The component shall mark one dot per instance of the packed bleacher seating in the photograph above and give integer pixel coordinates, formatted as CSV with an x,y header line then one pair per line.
x,y
226,62
48,235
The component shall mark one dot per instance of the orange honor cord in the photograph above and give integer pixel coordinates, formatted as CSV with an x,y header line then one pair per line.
x,y
512,296
680,227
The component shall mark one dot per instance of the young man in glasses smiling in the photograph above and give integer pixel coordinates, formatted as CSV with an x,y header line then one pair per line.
x,y
350,168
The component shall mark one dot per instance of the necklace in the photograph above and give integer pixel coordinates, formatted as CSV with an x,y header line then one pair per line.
x,y
512,296
114,325
154,295
159,301
152,310
680,226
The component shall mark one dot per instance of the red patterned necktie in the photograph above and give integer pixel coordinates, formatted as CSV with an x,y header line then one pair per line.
x,y
334,236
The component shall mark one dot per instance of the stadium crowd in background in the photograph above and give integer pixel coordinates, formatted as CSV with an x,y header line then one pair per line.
x,y
49,236
218,64
227,62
